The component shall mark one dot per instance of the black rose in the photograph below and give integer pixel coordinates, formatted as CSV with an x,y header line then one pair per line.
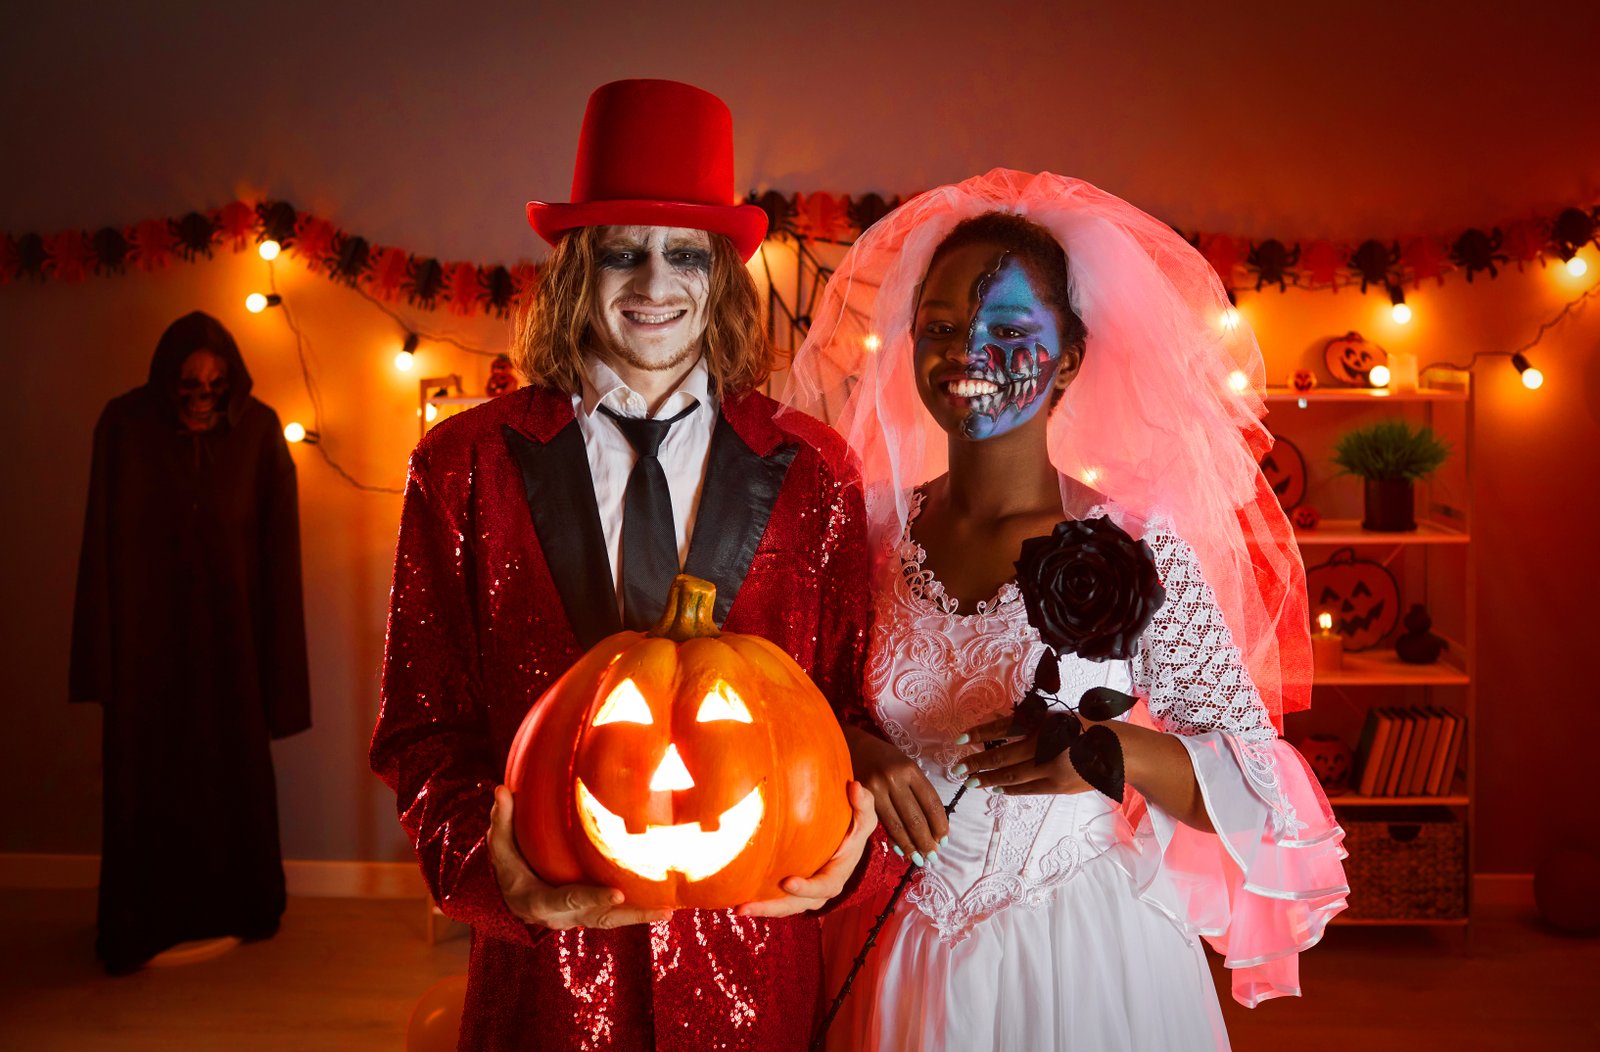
x,y
1090,589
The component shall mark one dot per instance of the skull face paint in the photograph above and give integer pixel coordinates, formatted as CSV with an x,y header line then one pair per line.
x,y
202,390
987,345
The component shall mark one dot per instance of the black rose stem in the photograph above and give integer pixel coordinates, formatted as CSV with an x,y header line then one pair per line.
x,y
821,1040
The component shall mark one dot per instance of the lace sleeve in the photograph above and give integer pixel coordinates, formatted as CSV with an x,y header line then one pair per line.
x,y
1188,666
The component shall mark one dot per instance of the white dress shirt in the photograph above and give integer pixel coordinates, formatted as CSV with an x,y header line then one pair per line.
x,y
683,453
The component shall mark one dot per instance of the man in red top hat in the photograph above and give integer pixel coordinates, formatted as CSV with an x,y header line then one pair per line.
x,y
542,522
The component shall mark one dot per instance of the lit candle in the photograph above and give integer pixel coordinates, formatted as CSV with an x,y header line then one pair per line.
x,y
1327,646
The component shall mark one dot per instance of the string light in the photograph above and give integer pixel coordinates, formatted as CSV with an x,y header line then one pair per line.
x,y
406,359
1532,378
1399,309
257,302
269,249
1379,376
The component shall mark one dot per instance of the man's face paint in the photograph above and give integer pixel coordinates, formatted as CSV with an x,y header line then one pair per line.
x,y
987,345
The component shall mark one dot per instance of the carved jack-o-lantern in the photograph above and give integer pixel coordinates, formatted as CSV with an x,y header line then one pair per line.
x,y
686,767
1285,470
1351,357
1362,596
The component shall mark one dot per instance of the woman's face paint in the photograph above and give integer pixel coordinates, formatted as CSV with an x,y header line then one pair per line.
x,y
987,346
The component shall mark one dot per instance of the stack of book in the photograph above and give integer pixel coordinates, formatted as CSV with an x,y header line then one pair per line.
x,y
1408,752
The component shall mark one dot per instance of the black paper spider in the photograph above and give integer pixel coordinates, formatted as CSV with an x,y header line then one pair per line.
x,y
427,278
194,234
1272,261
1376,263
1475,251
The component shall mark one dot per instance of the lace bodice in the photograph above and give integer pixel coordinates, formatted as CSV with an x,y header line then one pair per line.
x,y
934,671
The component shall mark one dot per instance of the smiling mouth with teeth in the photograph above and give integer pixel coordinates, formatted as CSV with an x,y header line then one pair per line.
x,y
639,317
1004,382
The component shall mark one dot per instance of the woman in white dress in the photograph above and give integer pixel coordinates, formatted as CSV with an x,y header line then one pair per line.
x,y
1012,351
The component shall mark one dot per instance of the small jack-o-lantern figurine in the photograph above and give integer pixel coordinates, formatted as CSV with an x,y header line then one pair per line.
x,y
684,766
1303,380
502,377
1329,759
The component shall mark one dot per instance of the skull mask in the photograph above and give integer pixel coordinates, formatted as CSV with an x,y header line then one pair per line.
x,y
202,390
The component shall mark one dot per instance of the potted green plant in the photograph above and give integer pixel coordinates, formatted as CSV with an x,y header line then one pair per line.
x,y
1390,458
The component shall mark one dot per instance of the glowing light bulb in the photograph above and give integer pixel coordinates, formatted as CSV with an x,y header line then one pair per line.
x,y
269,250
1379,376
405,361
1401,312
294,431
432,413
1532,378
255,303
1577,267
873,341
1238,381
1230,318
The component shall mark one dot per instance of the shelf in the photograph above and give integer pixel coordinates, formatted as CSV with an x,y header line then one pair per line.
x,y
1349,531
1381,667
1365,394
1357,800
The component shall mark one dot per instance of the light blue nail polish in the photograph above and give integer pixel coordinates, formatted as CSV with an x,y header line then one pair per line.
x,y
897,850
916,858
971,783
959,769
963,739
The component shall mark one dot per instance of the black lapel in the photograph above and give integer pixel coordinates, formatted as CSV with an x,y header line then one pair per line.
x,y
560,492
740,489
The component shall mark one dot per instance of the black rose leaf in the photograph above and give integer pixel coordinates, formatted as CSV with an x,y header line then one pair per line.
x,y
1047,674
1090,589
1058,732
1102,703
1029,713
1097,757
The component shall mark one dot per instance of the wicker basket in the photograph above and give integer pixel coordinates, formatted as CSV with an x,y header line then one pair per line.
x,y
1406,865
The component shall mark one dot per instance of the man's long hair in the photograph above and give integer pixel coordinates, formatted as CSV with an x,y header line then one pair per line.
x,y
554,331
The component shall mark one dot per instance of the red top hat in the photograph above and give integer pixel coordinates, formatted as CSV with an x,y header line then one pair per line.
x,y
654,153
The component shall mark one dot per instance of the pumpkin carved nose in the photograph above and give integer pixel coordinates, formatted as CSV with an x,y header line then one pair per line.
x,y
671,773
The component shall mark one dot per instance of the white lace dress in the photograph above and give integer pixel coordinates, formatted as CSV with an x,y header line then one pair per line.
x,y
1070,922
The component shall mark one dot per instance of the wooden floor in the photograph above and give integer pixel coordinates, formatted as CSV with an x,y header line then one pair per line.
x,y
343,974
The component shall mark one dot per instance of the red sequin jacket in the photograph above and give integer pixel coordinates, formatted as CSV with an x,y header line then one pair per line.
x,y
500,584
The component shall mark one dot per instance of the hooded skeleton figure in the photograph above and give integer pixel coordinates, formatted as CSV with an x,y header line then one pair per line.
x,y
188,630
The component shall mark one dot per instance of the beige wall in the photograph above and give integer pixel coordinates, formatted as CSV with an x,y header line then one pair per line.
x,y
427,127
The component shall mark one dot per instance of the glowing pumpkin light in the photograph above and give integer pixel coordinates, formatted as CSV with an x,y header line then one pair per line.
x,y
685,766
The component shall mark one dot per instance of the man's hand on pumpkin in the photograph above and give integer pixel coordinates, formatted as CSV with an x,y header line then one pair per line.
x,y
813,892
557,907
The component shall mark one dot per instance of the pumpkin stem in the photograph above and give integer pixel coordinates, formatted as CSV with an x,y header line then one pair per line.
x,y
688,613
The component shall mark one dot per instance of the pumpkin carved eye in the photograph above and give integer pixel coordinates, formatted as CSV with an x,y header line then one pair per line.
x,y
625,704
723,703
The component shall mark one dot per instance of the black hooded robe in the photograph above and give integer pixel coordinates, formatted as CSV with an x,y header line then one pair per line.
x,y
189,630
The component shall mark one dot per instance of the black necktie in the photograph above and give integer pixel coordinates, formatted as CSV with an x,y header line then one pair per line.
x,y
649,537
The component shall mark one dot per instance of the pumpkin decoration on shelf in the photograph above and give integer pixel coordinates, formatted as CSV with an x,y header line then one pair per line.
x,y
1362,595
1285,469
1351,358
684,766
